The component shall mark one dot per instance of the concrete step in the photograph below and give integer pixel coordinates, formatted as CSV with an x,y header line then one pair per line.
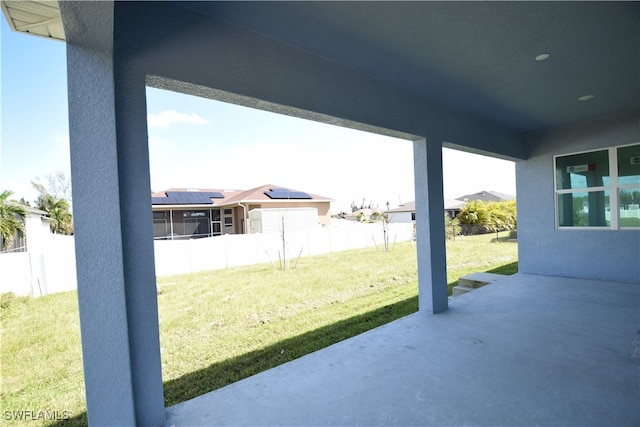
x,y
474,281
459,290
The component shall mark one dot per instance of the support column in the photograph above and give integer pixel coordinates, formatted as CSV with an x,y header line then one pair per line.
x,y
430,233
113,226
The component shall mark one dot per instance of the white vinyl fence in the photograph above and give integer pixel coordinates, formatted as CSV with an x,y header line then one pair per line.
x,y
54,270
51,269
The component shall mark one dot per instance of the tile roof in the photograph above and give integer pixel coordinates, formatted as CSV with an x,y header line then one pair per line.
x,y
487,196
181,196
257,194
405,207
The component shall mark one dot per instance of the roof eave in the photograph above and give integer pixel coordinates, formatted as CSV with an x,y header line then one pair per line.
x,y
44,16
160,206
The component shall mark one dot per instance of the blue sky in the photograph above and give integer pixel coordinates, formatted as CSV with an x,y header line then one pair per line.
x,y
200,143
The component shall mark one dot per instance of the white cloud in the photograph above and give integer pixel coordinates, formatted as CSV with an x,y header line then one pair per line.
x,y
165,119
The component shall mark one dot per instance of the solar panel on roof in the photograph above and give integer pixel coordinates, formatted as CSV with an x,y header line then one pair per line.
x,y
286,194
187,198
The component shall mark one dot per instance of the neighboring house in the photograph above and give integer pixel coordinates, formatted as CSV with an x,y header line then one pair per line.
x,y
407,211
37,232
181,213
360,215
453,206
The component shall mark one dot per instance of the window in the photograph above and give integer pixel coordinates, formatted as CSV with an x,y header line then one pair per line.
x,y
599,188
160,226
228,224
196,227
216,227
227,218
629,186
196,223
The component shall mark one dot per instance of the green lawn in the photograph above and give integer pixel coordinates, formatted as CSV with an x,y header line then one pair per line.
x,y
221,326
629,222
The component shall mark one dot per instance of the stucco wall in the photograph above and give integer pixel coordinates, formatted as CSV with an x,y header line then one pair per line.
x,y
323,208
596,254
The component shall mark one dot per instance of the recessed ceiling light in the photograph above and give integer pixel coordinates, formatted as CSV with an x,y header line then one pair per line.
x,y
585,98
542,56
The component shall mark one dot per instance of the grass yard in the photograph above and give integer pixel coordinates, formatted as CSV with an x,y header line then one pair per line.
x,y
221,326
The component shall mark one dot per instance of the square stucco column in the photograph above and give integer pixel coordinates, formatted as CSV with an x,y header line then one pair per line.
x,y
114,242
430,235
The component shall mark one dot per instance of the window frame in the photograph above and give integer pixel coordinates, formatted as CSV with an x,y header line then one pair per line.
x,y
613,189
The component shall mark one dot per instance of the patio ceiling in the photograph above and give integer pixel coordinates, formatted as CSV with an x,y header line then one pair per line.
x,y
478,57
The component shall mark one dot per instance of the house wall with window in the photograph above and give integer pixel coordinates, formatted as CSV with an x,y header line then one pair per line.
x,y
180,222
550,241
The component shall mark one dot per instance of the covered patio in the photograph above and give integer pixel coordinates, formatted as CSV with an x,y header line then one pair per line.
x,y
552,86
526,350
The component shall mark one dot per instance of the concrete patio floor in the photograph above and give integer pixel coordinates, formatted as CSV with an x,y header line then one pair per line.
x,y
525,350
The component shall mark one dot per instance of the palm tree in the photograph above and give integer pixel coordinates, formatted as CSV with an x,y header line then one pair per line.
x,y
11,219
60,216
58,210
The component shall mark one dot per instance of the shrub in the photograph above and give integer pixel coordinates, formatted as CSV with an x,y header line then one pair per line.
x,y
486,217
